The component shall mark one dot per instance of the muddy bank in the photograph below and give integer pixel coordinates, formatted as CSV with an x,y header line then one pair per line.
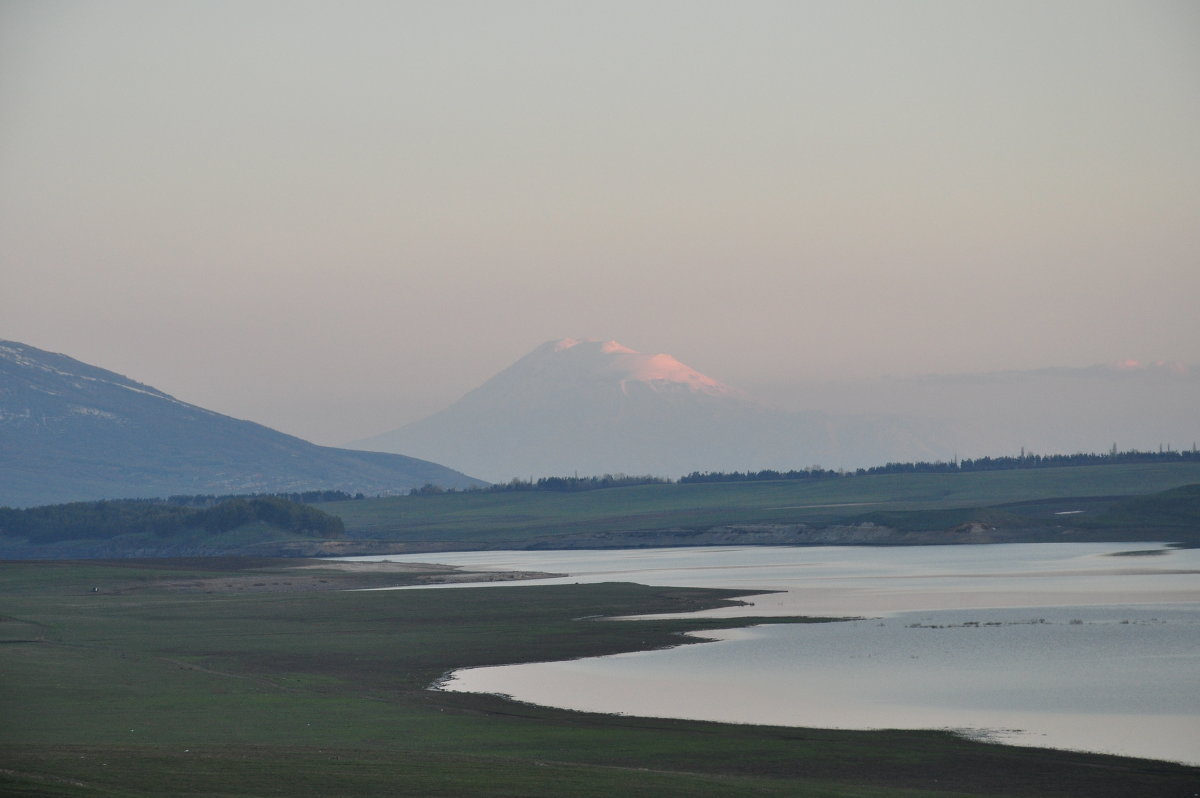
x,y
304,576
864,534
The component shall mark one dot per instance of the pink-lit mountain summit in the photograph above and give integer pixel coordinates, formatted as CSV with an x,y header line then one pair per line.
x,y
627,366
557,369
595,407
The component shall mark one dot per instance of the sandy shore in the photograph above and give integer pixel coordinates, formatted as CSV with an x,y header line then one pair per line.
x,y
429,572
313,575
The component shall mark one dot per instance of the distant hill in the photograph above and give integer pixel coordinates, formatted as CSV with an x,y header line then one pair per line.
x,y
70,431
1176,509
1145,502
596,407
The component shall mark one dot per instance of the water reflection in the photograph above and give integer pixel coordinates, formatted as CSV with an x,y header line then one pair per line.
x,y
1062,645
857,580
1100,678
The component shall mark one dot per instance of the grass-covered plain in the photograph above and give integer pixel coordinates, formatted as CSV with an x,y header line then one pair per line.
x,y
1076,503
119,680
493,520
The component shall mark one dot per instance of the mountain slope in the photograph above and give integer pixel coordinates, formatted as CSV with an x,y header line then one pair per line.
x,y
598,407
70,431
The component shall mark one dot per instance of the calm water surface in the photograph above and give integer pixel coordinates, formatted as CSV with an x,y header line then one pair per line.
x,y
1061,645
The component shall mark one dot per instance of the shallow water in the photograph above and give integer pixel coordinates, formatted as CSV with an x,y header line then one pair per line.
x,y
1060,645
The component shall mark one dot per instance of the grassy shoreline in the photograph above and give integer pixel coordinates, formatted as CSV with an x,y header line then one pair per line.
x,y
139,688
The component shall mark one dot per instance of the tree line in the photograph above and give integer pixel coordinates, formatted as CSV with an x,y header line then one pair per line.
x,y
766,475
303,497
1024,460
555,484
107,519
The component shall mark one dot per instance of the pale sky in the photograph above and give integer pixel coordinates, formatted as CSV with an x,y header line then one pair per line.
x,y
335,218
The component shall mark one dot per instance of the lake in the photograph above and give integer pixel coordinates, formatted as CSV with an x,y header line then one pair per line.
x,y
1059,645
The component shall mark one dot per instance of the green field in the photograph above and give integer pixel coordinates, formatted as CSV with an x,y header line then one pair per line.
x,y
1076,503
517,519
147,678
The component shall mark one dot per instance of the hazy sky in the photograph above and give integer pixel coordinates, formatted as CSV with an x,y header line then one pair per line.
x,y
334,218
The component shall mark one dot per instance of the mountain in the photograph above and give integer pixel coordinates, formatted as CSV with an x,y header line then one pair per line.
x,y
596,407
70,432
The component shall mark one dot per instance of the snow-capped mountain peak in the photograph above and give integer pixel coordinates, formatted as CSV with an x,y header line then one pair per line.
x,y
571,360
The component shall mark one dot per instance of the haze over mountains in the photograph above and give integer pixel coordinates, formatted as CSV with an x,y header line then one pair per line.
x,y
1129,404
70,431
596,407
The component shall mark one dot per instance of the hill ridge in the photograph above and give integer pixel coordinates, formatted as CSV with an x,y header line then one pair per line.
x,y
72,431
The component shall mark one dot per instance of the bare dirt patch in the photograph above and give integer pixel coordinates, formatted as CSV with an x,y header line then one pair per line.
x,y
314,575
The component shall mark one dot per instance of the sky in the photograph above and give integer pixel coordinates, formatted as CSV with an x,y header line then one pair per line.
x,y
336,218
